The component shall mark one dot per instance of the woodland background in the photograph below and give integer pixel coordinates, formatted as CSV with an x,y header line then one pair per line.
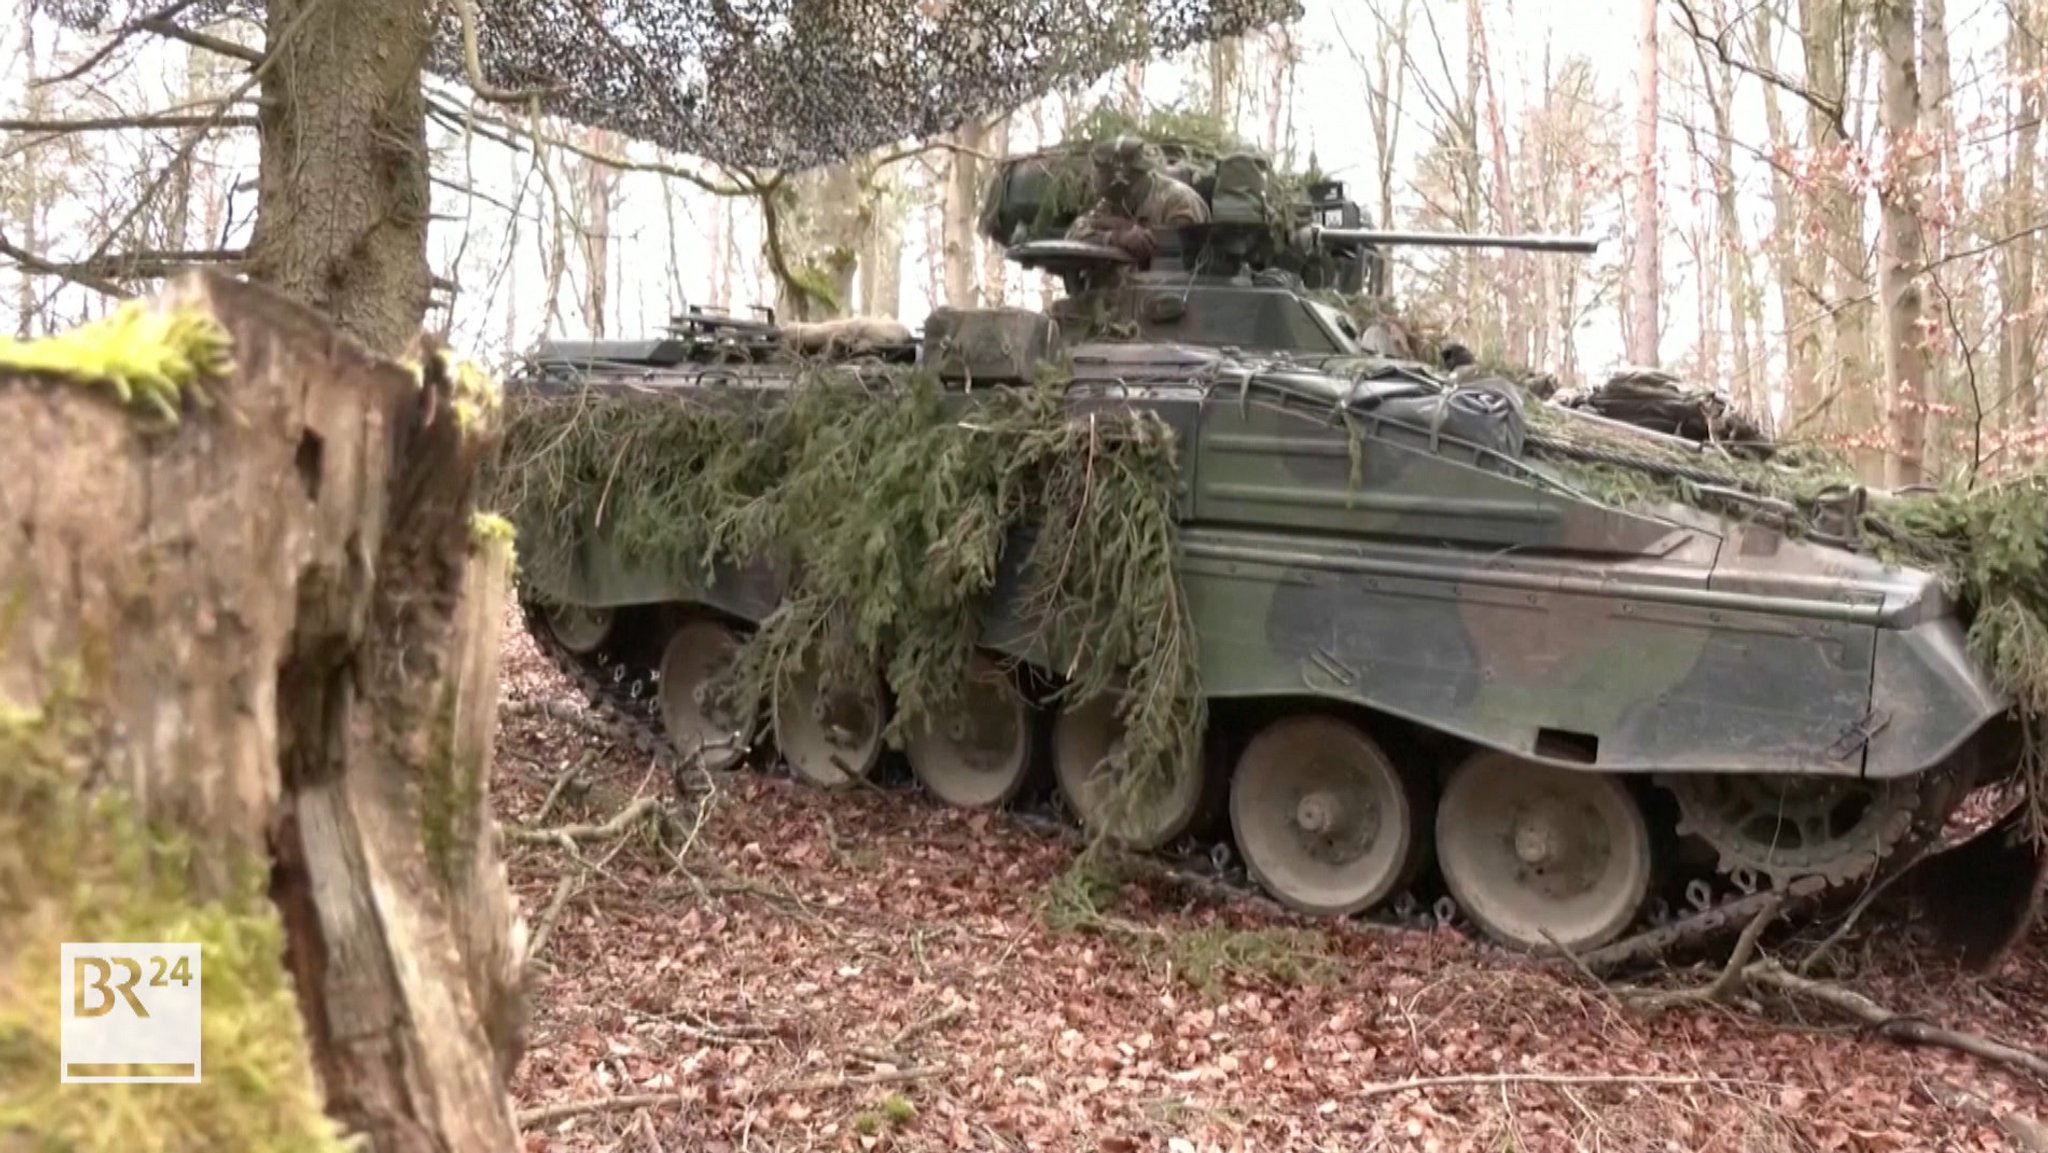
x,y
1829,209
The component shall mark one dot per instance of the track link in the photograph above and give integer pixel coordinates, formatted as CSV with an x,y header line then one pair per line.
x,y
623,694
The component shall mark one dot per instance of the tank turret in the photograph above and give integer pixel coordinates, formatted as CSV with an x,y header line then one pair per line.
x,y
1281,264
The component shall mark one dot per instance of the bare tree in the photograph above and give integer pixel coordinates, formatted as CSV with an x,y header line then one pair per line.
x,y
1901,247
1646,266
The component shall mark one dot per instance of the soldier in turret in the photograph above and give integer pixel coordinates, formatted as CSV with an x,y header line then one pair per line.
x,y
1134,194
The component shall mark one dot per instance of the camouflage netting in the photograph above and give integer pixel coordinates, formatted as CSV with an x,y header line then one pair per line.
x,y
791,83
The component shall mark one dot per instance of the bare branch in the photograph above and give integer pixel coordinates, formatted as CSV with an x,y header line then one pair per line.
x,y
1895,1026
534,134
143,264
1827,106
145,121
1386,1088
113,44
190,144
30,262
217,45
472,64
936,144
626,1103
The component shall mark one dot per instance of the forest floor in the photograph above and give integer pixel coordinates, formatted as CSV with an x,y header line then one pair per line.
x,y
858,973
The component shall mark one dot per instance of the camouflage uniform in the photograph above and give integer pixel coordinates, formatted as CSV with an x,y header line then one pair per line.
x,y
1132,192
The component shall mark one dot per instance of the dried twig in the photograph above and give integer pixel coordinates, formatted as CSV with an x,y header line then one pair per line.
x,y
1895,1026
568,835
925,1025
561,785
564,890
1741,972
1384,1088
2031,1135
625,1104
1724,984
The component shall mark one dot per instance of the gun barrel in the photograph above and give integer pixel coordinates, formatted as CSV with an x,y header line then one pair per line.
x,y
1586,245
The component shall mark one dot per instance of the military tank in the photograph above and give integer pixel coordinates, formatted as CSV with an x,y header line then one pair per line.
x,y
1436,669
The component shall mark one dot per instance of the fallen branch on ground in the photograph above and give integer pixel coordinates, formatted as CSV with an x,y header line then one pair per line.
x,y
548,1114
2032,1135
1894,1026
1383,1088
569,712
1742,973
567,835
566,888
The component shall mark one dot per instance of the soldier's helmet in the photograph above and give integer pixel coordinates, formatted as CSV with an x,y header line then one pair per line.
x,y
1126,155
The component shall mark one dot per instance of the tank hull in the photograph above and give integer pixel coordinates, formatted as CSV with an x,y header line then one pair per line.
x,y
1557,710
1479,603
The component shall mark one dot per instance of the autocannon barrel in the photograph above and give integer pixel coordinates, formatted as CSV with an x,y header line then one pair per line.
x,y
1581,244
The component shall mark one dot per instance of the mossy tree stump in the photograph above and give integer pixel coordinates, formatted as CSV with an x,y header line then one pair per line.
x,y
248,673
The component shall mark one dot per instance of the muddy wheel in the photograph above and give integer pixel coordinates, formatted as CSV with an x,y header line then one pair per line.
x,y
1084,737
1527,849
699,726
833,739
582,629
1325,822
979,755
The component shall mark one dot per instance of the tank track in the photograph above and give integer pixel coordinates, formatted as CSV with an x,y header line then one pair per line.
x,y
624,696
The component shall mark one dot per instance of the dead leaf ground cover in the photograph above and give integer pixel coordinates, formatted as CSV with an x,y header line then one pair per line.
x,y
856,972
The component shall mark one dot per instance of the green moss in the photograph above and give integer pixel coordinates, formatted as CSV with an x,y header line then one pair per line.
x,y
488,529
152,358
476,394
80,866
448,789
893,580
813,282
1082,899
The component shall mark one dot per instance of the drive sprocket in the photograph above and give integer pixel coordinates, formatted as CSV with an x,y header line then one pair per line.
x,y
1781,827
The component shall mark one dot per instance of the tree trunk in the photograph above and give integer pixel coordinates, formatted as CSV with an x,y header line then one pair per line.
x,y
962,208
1900,246
1789,255
1224,53
35,106
1745,306
822,228
1512,265
271,635
1386,86
598,190
1937,115
1829,38
881,258
995,267
342,195
2016,336
1646,264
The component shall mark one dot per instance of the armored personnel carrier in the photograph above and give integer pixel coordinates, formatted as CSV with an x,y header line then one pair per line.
x,y
1447,644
